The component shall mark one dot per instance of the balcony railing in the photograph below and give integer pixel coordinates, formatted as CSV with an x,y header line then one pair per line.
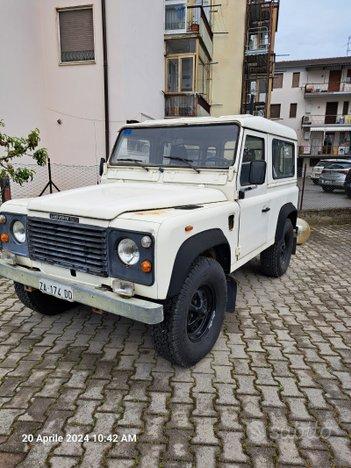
x,y
320,120
186,105
194,21
316,89
325,150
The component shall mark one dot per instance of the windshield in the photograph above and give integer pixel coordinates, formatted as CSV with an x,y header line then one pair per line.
x,y
197,146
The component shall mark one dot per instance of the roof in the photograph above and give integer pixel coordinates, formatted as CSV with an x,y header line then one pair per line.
x,y
260,124
313,63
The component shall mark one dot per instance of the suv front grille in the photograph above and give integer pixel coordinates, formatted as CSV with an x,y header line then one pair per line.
x,y
79,247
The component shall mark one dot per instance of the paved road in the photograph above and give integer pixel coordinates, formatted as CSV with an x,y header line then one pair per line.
x,y
316,198
275,390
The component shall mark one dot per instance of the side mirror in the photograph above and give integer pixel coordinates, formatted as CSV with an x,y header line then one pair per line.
x,y
101,167
257,172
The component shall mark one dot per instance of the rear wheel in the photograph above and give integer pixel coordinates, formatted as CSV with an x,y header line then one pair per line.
x,y
276,259
193,319
327,189
42,303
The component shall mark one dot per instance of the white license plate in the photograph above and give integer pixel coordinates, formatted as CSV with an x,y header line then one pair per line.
x,y
61,291
326,182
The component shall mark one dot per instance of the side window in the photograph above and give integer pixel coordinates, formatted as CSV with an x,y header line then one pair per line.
x,y
283,159
253,151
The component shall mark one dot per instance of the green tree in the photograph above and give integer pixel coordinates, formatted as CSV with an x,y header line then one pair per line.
x,y
15,147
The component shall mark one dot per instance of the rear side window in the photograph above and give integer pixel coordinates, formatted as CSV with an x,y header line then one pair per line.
x,y
283,155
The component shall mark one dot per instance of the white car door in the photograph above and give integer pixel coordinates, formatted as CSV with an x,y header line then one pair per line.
x,y
254,199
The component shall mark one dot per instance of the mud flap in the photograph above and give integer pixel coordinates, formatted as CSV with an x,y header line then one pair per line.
x,y
231,294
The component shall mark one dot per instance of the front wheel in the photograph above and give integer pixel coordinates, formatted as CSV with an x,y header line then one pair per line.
x,y
348,192
315,181
42,303
193,319
276,259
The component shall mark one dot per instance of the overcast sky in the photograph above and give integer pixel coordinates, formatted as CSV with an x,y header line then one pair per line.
x,y
313,28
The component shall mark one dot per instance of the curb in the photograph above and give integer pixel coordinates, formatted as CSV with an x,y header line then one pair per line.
x,y
327,216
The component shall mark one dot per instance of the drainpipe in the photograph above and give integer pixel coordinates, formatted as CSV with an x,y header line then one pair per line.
x,y
106,97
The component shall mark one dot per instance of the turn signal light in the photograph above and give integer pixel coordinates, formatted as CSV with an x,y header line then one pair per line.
x,y
4,237
146,266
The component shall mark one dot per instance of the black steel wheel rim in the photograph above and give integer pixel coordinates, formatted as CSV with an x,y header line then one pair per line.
x,y
201,313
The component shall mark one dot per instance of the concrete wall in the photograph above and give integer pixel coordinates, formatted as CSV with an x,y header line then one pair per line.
x,y
229,53
287,95
36,91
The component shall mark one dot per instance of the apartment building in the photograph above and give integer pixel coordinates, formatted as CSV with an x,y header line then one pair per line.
x,y
78,70
313,97
219,56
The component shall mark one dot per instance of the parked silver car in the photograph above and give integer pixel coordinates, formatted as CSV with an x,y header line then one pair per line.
x,y
324,163
333,176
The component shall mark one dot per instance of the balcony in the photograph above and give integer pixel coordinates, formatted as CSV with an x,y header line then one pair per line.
x,y
339,122
258,41
189,20
320,150
313,90
186,105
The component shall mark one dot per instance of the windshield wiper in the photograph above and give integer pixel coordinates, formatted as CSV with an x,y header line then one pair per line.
x,y
184,160
139,163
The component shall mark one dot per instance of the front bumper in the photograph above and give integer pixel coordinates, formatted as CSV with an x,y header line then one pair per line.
x,y
337,183
133,308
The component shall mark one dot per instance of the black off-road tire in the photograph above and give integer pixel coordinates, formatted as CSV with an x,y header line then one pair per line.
x,y
315,181
348,192
276,259
42,303
327,189
173,339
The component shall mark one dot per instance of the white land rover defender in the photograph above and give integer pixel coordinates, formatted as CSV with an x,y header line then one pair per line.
x,y
182,204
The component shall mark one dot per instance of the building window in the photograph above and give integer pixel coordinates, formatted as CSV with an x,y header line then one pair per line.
x,y
295,80
180,74
175,16
278,80
293,110
275,111
283,155
76,29
345,108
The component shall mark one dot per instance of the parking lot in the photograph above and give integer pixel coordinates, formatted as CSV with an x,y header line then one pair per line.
x,y
316,198
275,390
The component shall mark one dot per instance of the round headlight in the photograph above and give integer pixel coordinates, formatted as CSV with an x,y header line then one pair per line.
x,y
19,231
146,242
128,252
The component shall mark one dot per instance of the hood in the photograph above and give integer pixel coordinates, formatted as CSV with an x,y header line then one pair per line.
x,y
107,201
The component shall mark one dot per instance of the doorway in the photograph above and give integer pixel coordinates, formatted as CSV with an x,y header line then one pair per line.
x,y
334,80
331,112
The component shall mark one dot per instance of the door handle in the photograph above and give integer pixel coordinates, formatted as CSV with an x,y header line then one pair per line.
x,y
265,210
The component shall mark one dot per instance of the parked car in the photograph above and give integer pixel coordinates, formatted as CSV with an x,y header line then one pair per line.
x,y
156,241
334,175
318,168
348,184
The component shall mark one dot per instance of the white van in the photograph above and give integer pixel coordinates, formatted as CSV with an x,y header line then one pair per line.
x,y
181,205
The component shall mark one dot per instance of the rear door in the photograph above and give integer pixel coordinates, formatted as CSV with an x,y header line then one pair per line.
x,y
255,206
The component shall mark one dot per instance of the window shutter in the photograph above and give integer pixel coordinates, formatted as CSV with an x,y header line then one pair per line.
x,y
296,80
76,35
278,80
275,111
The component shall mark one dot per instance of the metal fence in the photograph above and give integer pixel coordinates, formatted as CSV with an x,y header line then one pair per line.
x,y
63,176
66,177
312,197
